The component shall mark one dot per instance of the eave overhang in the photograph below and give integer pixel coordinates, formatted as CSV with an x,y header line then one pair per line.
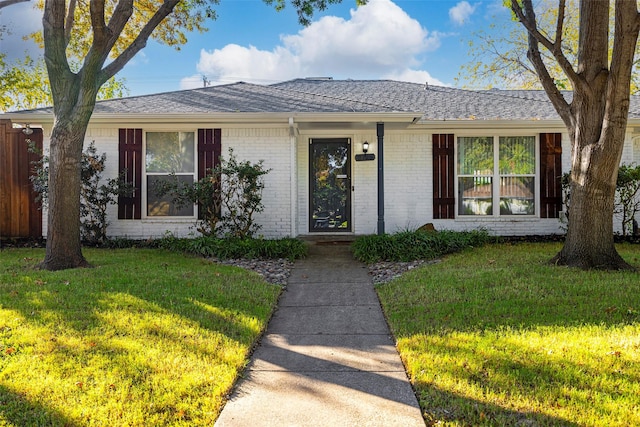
x,y
222,118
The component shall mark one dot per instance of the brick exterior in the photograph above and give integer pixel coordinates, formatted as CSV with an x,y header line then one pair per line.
x,y
408,181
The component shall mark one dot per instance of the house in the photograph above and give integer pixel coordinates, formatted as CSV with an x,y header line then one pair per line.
x,y
346,156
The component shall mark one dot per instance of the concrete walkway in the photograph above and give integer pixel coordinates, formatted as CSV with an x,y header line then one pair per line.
x,y
327,358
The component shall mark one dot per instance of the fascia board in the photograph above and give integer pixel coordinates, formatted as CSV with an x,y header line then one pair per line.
x,y
489,124
283,118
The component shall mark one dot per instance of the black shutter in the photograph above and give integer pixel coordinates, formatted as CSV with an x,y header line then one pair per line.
x,y
550,175
130,163
444,201
209,150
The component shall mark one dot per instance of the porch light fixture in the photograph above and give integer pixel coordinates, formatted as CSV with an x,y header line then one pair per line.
x,y
27,129
365,155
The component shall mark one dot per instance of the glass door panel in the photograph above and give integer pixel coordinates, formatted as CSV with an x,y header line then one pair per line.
x,y
330,185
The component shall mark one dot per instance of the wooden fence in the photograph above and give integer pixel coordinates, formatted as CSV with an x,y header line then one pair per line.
x,y
20,215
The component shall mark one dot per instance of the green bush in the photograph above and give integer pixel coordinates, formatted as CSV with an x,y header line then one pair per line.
x,y
413,245
228,197
221,248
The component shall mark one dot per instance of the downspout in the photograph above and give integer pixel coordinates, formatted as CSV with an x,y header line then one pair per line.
x,y
292,176
380,133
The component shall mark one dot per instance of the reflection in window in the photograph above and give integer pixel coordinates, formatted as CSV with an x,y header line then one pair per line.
x,y
496,172
168,155
517,175
475,175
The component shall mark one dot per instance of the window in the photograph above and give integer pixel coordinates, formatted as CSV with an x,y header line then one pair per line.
x,y
168,153
131,164
496,175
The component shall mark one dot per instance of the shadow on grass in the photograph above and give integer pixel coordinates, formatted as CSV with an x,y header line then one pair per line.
x,y
188,314
446,407
496,329
218,302
16,409
502,371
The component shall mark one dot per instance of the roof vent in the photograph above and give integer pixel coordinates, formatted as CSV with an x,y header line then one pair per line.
x,y
318,78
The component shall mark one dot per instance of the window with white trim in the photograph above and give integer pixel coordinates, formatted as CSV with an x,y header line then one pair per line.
x,y
168,153
496,175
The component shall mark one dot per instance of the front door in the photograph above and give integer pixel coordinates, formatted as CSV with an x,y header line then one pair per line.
x,y
330,184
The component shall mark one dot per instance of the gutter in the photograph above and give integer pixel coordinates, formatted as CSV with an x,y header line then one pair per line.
x,y
234,117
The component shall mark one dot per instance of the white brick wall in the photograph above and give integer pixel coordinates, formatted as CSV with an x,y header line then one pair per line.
x,y
408,182
271,145
364,180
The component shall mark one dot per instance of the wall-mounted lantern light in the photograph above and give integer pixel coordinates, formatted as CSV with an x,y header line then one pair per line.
x,y
365,155
27,129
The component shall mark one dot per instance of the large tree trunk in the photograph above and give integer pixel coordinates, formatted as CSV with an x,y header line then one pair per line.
x,y
590,239
63,223
597,143
597,123
596,119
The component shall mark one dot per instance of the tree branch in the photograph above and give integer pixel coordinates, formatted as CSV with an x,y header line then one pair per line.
x,y
140,42
98,26
68,26
627,28
5,3
559,26
527,18
55,46
119,19
104,37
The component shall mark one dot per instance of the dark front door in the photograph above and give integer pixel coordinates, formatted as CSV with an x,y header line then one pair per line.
x,y
330,184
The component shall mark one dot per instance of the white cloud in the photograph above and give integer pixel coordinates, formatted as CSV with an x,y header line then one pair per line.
x,y
415,76
379,39
461,12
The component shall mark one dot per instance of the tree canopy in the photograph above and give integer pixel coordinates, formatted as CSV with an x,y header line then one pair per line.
x,y
498,54
24,84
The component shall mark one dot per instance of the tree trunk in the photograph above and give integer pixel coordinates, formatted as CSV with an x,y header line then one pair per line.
x,y
589,243
596,153
63,229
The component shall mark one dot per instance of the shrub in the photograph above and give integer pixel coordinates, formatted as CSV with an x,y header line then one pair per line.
x,y
227,248
95,193
627,200
228,196
413,245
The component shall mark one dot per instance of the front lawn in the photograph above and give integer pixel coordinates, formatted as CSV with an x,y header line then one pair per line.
x,y
495,336
147,337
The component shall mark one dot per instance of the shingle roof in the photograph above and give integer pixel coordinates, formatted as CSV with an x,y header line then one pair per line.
x,y
233,98
434,102
338,96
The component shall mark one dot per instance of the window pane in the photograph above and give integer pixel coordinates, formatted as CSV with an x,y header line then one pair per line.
x,y
517,196
170,152
475,196
517,155
164,206
475,156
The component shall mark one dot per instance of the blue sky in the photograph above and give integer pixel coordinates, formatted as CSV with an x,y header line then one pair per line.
x,y
412,40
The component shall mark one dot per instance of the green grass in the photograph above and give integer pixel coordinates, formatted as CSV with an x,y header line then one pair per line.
x,y
495,336
147,337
